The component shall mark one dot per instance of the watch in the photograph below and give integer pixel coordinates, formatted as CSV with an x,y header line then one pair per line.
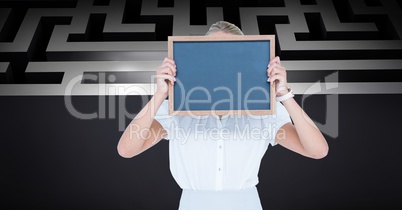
x,y
286,96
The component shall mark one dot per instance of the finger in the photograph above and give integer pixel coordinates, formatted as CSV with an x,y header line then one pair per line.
x,y
274,60
167,59
272,79
277,68
272,66
277,77
280,77
167,77
165,70
172,67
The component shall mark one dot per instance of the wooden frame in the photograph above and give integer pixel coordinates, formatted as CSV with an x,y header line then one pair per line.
x,y
180,39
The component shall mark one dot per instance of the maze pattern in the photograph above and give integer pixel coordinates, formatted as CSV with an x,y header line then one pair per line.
x,y
112,47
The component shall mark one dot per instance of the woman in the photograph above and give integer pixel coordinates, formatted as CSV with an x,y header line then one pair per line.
x,y
219,171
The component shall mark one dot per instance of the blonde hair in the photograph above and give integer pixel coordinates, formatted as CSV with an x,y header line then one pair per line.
x,y
224,27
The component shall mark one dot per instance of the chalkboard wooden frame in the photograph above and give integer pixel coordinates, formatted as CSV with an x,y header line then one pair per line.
x,y
172,40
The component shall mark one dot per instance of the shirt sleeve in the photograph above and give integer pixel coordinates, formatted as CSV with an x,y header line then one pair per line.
x,y
277,121
163,117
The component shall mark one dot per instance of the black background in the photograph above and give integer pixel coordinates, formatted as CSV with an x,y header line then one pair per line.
x,y
51,159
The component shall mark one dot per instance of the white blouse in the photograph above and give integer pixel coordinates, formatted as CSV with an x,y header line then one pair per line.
x,y
210,154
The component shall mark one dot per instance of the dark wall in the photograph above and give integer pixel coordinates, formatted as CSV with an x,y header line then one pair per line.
x,y
52,160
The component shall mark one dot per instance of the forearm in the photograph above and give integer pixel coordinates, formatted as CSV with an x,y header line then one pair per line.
x,y
310,136
134,135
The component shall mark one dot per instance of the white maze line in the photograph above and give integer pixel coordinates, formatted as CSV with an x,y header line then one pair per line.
x,y
73,73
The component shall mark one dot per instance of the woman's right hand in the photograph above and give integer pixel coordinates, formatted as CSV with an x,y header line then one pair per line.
x,y
165,74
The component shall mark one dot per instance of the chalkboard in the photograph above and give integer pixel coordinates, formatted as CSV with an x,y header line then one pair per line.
x,y
221,75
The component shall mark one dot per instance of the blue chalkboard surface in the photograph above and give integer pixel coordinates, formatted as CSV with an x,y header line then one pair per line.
x,y
221,75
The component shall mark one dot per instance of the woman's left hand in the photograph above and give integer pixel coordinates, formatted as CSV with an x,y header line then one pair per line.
x,y
277,73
